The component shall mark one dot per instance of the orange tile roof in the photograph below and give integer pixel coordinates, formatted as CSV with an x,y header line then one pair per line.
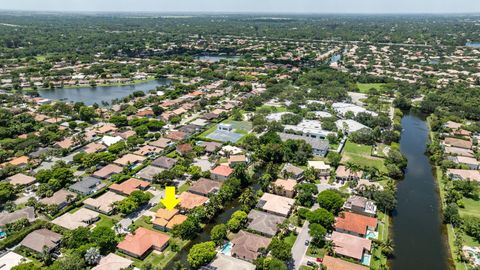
x,y
16,162
142,241
339,264
189,200
176,220
129,186
222,170
166,214
355,222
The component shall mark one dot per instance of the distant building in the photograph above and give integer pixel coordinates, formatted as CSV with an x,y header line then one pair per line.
x,y
360,205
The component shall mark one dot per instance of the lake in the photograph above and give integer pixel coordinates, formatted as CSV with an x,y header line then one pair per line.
x,y
418,232
91,95
473,44
217,58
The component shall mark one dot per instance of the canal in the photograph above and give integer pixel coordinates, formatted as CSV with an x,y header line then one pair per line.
x,y
91,95
418,232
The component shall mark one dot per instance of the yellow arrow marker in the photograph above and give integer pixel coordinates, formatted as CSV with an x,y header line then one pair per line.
x,y
170,201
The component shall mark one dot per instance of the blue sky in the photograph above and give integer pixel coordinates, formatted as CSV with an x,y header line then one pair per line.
x,y
269,6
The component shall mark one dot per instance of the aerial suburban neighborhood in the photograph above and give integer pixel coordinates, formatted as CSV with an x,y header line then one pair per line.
x,y
239,142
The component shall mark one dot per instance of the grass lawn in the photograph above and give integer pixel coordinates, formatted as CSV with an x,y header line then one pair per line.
x,y
183,188
290,239
145,222
361,155
106,221
207,132
304,267
242,127
274,109
472,207
364,87
316,252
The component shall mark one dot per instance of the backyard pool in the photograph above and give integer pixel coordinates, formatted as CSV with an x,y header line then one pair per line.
x,y
226,249
366,259
372,235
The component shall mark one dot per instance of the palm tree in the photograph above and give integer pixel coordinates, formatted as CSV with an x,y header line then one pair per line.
x,y
92,256
388,247
329,246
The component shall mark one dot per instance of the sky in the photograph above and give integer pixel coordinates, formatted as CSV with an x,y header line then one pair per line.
x,y
243,6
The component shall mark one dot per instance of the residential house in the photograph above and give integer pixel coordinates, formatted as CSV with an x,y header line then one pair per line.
x,y
332,263
264,223
237,159
247,246
21,179
10,259
138,245
190,200
176,135
275,204
471,163
184,149
161,143
355,224
42,240
360,205
284,187
127,187
350,246
148,150
60,198
204,187
212,147
105,203
12,217
322,169
148,173
113,262
164,162
343,174
319,146
292,171
221,173
81,218
166,219
459,174
88,185
107,171
129,159
455,142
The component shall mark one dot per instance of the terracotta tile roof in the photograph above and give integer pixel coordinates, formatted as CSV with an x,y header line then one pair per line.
x,y
458,143
142,241
354,222
162,142
176,135
93,147
129,186
113,262
189,200
184,148
339,264
222,170
147,149
23,160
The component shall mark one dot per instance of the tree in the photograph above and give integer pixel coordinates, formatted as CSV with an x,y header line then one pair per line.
x,y
451,215
218,233
321,216
317,232
188,229
247,199
330,200
385,200
237,221
92,256
280,249
87,113
26,266
71,262
76,238
6,192
334,158
105,238
201,254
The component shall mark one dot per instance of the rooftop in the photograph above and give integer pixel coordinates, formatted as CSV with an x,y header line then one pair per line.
x,y
190,200
349,245
142,241
355,222
275,204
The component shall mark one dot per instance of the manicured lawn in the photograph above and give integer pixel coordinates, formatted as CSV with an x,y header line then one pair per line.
x,y
242,127
304,267
144,222
106,221
290,239
383,227
273,108
364,87
207,132
472,207
315,252
361,155
183,188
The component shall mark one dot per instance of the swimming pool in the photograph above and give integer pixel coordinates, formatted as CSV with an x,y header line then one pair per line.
x,y
366,259
226,249
372,235
3,234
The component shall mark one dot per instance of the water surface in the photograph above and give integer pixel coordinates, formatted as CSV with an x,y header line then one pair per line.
x,y
91,95
418,232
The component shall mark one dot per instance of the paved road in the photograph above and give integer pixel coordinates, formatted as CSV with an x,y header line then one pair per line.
x,y
299,248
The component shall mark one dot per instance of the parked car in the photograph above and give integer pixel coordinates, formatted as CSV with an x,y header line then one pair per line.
x,y
320,260
307,242
310,263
